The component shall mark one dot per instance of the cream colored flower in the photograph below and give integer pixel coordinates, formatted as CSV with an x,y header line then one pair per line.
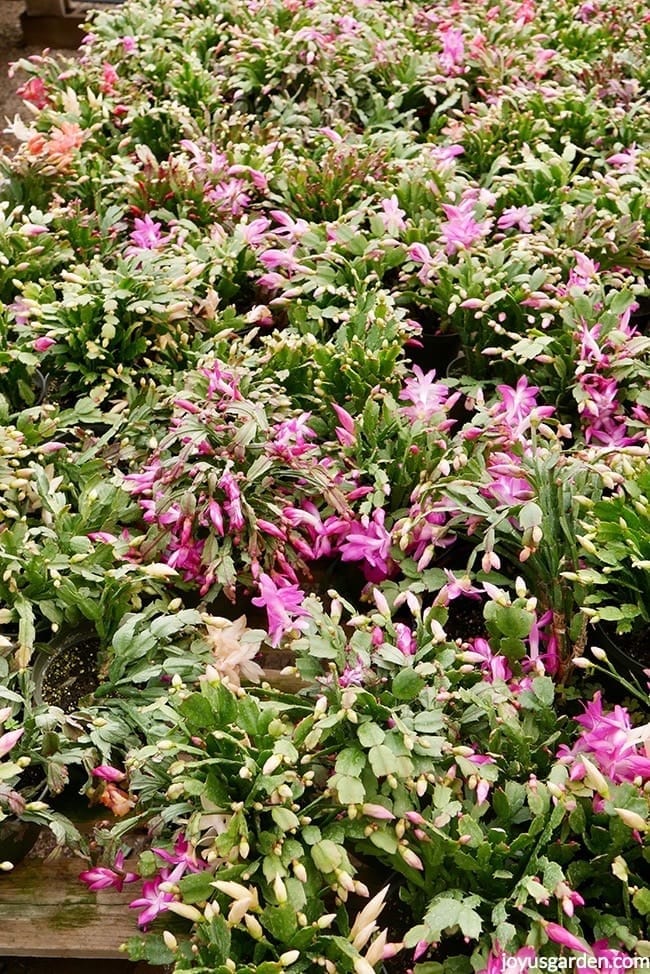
x,y
234,646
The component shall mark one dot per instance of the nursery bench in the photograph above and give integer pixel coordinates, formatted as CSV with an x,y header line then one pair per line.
x,y
45,911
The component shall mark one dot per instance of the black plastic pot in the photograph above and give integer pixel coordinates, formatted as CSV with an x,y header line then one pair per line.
x,y
434,351
17,838
68,671
629,654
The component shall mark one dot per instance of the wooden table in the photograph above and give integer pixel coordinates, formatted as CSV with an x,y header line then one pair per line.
x,y
45,911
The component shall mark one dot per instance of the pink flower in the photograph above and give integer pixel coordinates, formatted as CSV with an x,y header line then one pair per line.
x,y
497,961
35,92
461,230
516,216
584,271
405,640
444,155
289,439
230,195
183,854
107,773
610,741
42,344
232,505
373,810
352,676
254,233
601,412
109,78
129,44
453,51
283,604
625,160
559,935
420,949
102,877
346,432
392,216
421,254
368,542
147,234
428,398
155,901
285,260
291,229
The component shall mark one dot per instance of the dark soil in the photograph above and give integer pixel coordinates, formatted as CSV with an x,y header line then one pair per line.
x,y
629,650
71,674
636,645
465,620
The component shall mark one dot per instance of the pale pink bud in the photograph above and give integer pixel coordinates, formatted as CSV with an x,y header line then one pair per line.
x,y
373,810
411,859
8,740
415,818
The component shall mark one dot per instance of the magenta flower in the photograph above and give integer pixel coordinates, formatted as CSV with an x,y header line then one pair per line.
x,y
494,666
42,344
291,229
230,195
107,773
559,935
183,853
289,439
147,235
155,901
346,432
405,640
232,505
102,877
518,407
609,960
428,398
187,557
283,604
497,961
368,542
611,743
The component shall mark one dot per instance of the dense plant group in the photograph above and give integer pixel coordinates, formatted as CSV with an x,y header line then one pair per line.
x,y
324,344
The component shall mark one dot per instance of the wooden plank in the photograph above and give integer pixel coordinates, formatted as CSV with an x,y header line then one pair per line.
x,y
45,911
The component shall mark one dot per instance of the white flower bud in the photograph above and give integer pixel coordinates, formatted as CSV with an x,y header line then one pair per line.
x,y
289,957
